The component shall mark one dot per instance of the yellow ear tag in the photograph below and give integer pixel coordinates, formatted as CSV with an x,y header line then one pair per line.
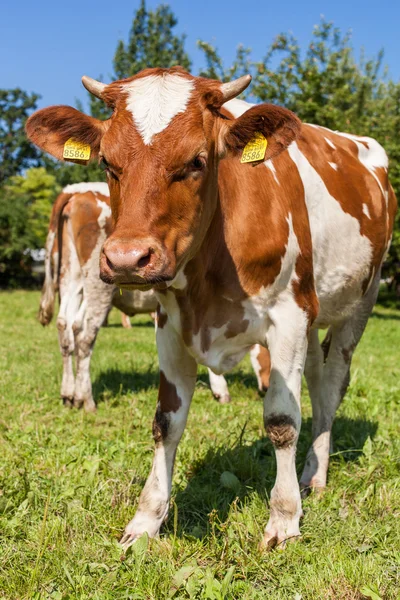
x,y
255,149
74,150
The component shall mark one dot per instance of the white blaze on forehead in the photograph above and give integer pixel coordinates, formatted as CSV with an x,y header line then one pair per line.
x,y
155,100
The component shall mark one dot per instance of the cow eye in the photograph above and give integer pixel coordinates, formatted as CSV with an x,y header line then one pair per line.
x,y
107,168
198,163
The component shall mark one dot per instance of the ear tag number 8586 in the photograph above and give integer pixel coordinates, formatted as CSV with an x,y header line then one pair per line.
x,y
255,149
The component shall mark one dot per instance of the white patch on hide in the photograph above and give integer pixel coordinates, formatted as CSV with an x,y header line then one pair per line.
x,y
90,186
366,210
342,256
328,141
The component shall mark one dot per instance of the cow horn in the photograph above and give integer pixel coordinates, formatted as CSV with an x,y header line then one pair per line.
x,y
94,87
231,89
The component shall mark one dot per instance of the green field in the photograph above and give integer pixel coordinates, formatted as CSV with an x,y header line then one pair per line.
x,y
69,482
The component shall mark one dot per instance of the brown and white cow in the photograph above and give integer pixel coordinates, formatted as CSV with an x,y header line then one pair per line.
x,y
79,224
238,254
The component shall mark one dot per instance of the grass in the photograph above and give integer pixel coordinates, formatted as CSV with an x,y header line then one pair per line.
x,y
69,482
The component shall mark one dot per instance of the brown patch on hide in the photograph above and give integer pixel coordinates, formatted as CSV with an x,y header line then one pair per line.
x,y
264,360
168,396
162,317
84,215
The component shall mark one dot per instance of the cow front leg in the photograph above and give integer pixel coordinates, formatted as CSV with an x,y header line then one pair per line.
x,y
177,380
287,342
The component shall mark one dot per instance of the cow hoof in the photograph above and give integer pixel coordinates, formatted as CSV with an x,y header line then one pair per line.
x,y
311,488
127,540
273,542
78,403
143,523
225,399
280,531
68,402
90,407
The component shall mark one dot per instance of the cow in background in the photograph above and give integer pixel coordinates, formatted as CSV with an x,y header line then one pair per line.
x,y
80,223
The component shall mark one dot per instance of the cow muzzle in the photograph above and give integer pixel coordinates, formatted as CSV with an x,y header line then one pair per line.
x,y
138,263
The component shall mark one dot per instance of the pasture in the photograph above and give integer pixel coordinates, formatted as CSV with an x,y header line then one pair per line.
x,y
69,482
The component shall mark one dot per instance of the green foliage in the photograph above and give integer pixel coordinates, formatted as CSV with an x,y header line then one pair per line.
x,y
15,264
41,189
16,152
215,68
67,173
70,482
25,207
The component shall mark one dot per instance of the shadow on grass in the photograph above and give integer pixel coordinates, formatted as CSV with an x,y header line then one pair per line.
x,y
390,317
112,382
254,467
134,323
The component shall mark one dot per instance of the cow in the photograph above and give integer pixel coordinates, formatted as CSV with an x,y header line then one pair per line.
x,y
239,253
79,224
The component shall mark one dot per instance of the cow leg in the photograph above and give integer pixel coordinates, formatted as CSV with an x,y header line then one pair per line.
x,y
287,343
66,341
125,320
71,296
219,387
94,310
70,289
177,380
328,384
261,364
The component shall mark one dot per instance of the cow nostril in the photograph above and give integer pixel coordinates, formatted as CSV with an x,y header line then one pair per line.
x,y
109,263
144,260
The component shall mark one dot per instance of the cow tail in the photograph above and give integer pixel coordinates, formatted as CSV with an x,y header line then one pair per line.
x,y
52,261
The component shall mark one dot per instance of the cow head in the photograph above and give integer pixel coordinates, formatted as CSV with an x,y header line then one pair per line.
x,y
161,149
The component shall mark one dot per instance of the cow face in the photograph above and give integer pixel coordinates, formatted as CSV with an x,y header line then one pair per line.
x,y
161,149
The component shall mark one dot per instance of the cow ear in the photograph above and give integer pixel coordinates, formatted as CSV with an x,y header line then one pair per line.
x,y
50,128
278,125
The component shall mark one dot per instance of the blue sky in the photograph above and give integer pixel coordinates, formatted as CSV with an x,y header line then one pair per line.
x,y
46,46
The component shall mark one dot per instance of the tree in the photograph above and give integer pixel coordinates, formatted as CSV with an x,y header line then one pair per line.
x,y
25,207
214,65
16,152
151,43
